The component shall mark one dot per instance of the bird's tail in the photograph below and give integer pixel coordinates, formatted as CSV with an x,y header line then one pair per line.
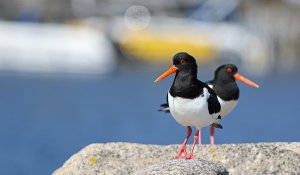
x,y
164,108
216,125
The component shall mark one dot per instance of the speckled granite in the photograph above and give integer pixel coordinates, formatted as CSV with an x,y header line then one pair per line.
x,y
127,158
184,167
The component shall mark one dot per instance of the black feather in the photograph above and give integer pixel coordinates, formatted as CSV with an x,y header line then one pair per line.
x,y
213,102
164,108
165,105
217,125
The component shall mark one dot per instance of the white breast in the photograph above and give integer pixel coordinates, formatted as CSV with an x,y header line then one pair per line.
x,y
191,112
227,106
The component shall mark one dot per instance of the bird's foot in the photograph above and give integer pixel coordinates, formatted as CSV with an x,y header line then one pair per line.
x,y
181,151
190,156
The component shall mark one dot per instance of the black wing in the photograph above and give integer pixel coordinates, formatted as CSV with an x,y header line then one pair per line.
x,y
165,107
213,102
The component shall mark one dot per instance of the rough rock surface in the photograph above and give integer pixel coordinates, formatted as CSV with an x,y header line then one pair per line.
x,y
129,158
184,167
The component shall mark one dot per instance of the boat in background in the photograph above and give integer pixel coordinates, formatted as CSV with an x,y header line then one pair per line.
x,y
54,48
207,41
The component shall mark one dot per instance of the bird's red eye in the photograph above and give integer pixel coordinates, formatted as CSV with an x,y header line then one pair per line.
x,y
229,69
182,61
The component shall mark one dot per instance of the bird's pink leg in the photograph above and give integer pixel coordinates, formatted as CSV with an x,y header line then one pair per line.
x,y
196,137
200,137
212,135
182,148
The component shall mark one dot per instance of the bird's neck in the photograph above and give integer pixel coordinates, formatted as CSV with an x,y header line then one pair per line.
x,y
185,78
185,85
226,90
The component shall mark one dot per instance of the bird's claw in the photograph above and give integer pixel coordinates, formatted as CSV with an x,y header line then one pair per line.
x,y
190,156
181,150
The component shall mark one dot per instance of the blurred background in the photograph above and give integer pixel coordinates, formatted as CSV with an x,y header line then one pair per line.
x,y
78,72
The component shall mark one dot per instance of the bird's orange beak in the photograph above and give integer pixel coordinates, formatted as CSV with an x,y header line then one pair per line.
x,y
170,71
238,76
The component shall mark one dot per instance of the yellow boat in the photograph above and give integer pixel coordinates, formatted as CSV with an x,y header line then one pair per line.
x,y
159,42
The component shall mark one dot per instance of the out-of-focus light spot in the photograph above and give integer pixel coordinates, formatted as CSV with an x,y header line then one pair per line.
x,y
137,17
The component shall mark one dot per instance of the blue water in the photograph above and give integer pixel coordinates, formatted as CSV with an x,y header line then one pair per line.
x,y
46,119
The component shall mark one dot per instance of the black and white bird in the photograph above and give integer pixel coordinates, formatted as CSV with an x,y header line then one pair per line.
x,y
225,86
191,102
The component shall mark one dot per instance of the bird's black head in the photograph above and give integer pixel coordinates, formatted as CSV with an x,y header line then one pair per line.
x,y
226,72
185,83
224,82
185,62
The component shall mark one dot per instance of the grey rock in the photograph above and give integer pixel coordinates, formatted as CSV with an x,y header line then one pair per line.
x,y
184,167
127,158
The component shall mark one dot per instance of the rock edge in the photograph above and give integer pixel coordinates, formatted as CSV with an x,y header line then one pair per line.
x,y
129,158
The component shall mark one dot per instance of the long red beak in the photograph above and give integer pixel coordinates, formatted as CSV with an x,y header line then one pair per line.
x,y
170,71
238,76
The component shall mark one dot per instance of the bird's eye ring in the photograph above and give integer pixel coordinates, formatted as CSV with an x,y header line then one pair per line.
x,y
229,69
182,61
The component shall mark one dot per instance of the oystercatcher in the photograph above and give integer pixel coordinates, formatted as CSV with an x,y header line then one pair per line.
x,y
225,86
191,102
